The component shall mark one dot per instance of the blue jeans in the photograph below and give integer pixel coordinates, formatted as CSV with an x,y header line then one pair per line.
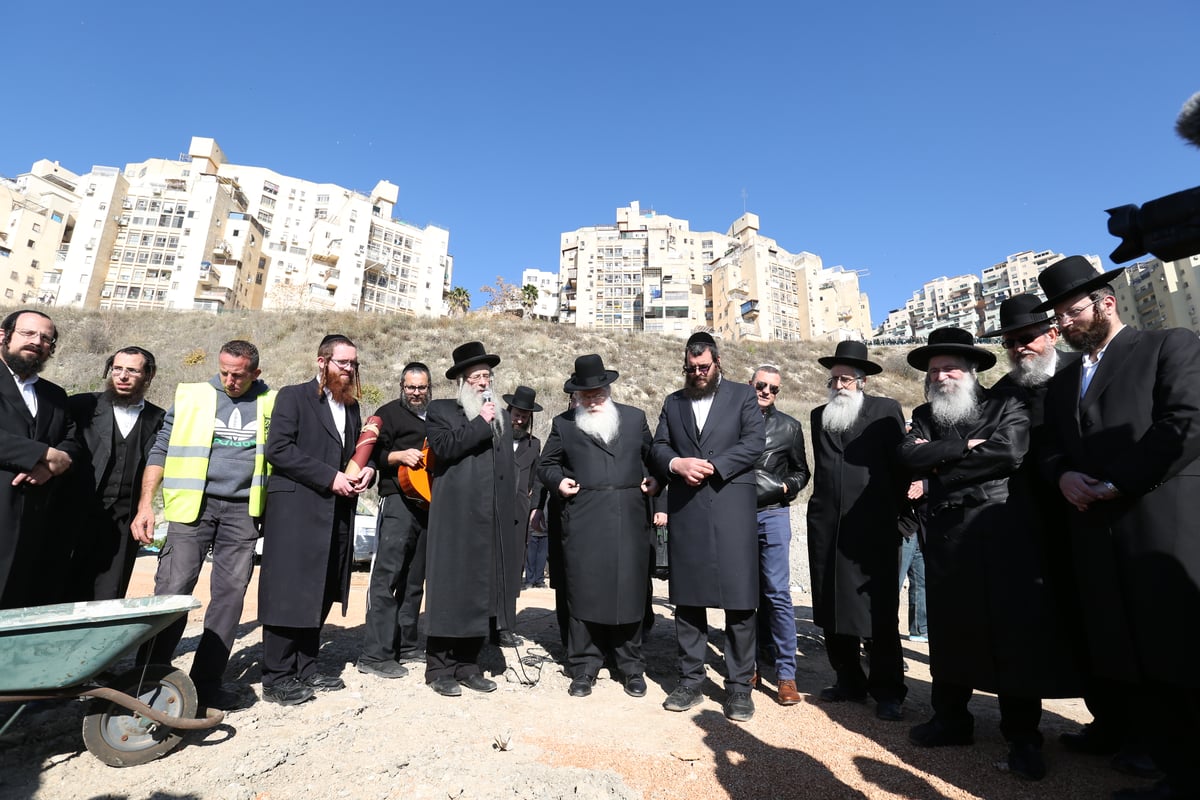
x,y
776,616
912,566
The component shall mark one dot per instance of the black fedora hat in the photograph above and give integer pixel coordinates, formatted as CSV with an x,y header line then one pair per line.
x,y
852,354
1019,311
589,374
523,398
468,355
951,342
1070,276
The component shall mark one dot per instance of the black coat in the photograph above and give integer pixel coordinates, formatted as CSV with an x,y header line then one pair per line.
x,y
975,610
1137,558
853,529
606,536
28,545
713,546
470,522
525,460
307,529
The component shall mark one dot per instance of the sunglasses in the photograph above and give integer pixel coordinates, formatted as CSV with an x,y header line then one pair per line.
x,y
760,385
1021,341
700,368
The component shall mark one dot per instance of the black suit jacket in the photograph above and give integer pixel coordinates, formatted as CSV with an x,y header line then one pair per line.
x,y
92,414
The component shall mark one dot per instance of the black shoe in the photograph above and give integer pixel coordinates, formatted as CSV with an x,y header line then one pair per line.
x,y
635,685
1089,740
410,656
220,698
1136,763
288,692
889,710
581,686
323,683
382,669
1025,761
838,694
479,683
739,706
446,686
683,698
936,734
507,639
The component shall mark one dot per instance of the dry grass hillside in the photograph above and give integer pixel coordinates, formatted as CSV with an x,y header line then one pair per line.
x,y
534,353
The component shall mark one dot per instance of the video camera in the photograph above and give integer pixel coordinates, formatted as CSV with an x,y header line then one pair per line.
x,y
1169,227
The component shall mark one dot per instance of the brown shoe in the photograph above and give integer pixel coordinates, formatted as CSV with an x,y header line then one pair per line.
x,y
787,695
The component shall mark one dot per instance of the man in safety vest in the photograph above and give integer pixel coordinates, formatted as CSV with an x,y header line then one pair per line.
x,y
209,458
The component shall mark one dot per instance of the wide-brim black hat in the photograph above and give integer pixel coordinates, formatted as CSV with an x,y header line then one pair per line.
x,y
523,398
1019,311
589,374
1071,276
951,342
468,355
852,354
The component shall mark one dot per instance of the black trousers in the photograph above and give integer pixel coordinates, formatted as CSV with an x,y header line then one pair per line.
x,y
450,657
886,680
691,634
1019,716
1171,720
397,583
587,642
102,564
291,652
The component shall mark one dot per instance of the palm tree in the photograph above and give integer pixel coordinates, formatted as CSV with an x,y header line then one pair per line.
x,y
459,300
529,297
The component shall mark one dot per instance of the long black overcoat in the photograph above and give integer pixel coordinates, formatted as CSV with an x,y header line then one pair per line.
x,y
470,521
713,546
525,461
306,524
853,533
1137,558
606,536
27,543
968,559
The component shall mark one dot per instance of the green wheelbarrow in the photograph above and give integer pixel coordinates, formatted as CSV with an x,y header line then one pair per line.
x,y
64,651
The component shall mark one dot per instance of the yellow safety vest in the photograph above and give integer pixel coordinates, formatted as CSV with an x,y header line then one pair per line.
x,y
185,471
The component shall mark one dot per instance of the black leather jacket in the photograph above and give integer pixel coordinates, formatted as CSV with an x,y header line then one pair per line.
x,y
782,460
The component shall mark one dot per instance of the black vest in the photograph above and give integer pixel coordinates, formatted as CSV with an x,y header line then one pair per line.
x,y
116,488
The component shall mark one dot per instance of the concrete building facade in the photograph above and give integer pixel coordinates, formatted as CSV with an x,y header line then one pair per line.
x,y
548,287
40,222
1153,294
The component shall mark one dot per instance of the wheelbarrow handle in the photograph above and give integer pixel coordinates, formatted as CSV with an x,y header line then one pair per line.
x,y
212,717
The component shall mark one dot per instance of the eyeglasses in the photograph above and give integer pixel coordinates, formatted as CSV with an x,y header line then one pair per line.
x,y
950,371
1021,341
36,335
1072,313
130,371
344,364
842,380
760,385
409,388
700,368
479,377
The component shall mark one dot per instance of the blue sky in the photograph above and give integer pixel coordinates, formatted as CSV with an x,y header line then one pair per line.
x,y
908,140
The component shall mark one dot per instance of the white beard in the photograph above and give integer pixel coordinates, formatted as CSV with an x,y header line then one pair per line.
x,y
602,423
471,402
1034,372
842,410
954,403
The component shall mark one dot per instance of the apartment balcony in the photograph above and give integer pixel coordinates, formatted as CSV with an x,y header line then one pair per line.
x,y
331,278
325,257
219,296
749,310
209,273
222,250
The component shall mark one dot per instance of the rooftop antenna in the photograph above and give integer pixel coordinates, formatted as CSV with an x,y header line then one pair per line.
x,y
744,195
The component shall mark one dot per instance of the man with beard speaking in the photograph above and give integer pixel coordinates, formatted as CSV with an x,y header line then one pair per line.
x,y
597,459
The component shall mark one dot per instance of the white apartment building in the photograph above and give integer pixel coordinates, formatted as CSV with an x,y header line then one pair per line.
x,y
548,286
1153,294
1017,274
760,292
939,303
646,272
40,206
201,233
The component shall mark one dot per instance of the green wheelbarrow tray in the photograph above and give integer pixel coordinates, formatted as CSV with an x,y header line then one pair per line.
x,y
63,650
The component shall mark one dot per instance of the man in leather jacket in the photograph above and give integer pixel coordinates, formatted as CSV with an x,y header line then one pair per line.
x,y
779,473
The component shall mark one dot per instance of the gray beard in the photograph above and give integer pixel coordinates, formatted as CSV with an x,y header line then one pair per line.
x,y
472,402
602,425
417,408
957,407
842,411
1034,372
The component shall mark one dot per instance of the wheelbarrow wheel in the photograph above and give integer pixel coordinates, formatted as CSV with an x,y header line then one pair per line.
x,y
121,738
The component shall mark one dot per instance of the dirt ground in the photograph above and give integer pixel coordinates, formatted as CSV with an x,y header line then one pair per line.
x,y
396,739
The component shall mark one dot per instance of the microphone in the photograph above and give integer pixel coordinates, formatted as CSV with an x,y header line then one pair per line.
x,y
486,395
1188,124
